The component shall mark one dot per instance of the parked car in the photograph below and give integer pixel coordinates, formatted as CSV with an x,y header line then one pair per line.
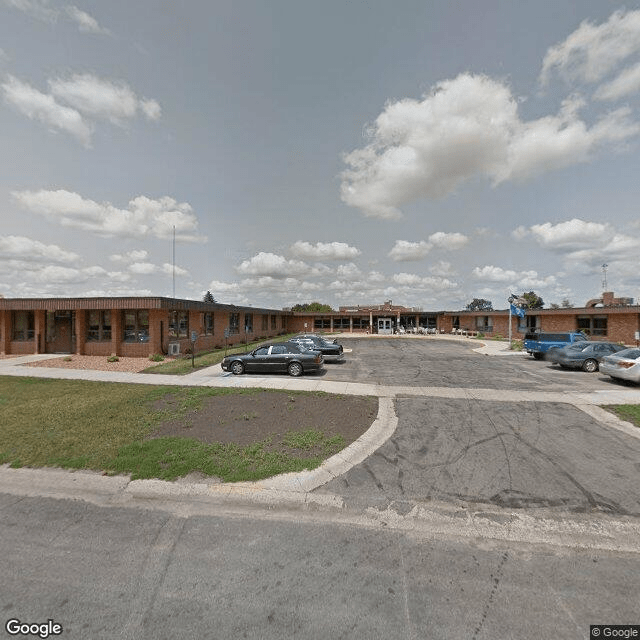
x,y
538,343
279,357
331,351
624,365
583,355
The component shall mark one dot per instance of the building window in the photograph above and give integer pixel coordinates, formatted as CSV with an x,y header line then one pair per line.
x,y
265,322
322,323
274,326
136,325
234,323
484,323
98,326
23,326
593,325
341,323
248,322
208,324
178,324
361,323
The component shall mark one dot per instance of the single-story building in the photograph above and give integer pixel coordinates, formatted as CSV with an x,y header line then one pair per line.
x,y
129,326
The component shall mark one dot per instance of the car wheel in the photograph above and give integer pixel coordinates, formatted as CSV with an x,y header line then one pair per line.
x,y
590,365
237,368
538,356
295,369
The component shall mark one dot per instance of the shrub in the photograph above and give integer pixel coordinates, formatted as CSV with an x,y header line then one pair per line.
x,y
498,336
517,345
67,358
156,357
113,358
480,334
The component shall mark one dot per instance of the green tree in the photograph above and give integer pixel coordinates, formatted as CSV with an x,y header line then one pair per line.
x,y
312,307
566,304
480,304
208,297
534,301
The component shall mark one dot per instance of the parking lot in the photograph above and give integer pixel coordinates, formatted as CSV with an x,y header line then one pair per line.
x,y
506,454
437,362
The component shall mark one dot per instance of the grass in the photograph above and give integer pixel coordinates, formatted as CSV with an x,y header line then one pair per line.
x,y
104,426
628,412
182,366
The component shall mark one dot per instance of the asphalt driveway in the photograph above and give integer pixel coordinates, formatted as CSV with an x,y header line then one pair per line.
x,y
453,363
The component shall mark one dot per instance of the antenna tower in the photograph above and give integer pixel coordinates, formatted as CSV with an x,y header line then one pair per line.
x,y
604,277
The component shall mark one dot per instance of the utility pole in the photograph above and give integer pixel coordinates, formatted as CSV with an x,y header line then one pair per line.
x,y
604,277
173,261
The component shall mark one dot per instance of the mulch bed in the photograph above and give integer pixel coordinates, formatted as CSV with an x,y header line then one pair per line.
x,y
245,419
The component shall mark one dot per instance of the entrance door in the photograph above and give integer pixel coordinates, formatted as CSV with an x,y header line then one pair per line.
x,y
59,334
384,326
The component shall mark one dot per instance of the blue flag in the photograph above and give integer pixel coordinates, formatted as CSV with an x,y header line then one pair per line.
x,y
518,311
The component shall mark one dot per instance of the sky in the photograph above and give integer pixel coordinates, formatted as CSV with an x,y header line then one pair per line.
x,y
348,152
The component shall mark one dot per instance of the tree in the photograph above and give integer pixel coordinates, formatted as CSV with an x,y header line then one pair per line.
x,y
480,304
312,307
533,300
566,304
208,297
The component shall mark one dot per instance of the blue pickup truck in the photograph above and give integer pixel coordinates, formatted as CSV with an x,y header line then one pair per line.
x,y
537,344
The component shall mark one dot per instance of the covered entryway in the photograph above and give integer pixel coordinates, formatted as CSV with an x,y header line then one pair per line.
x,y
385,326
60,332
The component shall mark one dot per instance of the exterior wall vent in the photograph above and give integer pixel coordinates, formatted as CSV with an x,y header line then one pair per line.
x,y
174,348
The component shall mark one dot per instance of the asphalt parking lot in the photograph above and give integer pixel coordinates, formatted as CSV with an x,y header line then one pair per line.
x,y
506,454
453,363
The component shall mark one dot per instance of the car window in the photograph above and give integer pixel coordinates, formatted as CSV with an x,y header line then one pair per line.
x,y
632,354
278,348
262,351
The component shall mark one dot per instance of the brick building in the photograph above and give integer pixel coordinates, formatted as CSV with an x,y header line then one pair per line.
x,y
144,326
128,326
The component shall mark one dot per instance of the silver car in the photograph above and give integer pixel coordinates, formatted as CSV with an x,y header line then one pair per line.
x,y
624,365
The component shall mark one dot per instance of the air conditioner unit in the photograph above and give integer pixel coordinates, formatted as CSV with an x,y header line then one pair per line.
x,y
174,348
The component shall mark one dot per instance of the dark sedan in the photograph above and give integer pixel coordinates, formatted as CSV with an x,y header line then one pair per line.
x,y
331,351
583,355
280,357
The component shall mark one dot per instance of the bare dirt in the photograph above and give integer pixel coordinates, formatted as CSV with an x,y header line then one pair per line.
x,y
245,419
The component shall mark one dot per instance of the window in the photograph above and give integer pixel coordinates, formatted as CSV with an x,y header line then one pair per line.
x,y
341,323
262,351
484,323
98,326
136,325
593,325
455,322
234,323
23,326
322,323
273,323
361,323
208,324
278,349
178,324
248,322
265,322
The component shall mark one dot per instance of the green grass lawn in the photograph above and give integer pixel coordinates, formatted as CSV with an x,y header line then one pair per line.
x,y
628,412
104,426
183,365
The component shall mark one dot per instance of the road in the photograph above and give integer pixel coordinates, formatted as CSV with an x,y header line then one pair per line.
x,y
478,518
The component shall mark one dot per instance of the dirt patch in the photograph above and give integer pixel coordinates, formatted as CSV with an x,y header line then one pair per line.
x,y
272,416
97,363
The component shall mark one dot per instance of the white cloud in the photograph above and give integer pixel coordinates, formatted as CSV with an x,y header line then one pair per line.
x,y
85,22
21,247
405,251
39,9
466,127
270,264
593,51
627,83
137,255
348,271
521,279
43,108
142,268
324,250
570,235
100,98
143,217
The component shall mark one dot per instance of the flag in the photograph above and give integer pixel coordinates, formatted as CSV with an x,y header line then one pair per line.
x,y
518,311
